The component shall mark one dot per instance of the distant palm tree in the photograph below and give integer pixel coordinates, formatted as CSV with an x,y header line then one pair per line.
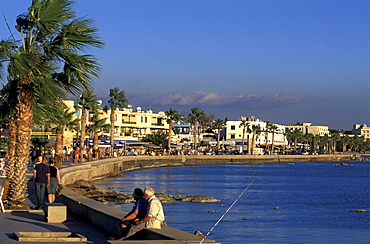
x,y
294,136
256,130
245,125
195,116
218,125
117,100
267,131
62,119
273,129
325,143
346,140
87,102
49,53
172,116
335,137
97,124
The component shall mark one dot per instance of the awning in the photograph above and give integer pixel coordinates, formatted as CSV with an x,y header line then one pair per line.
x,y
151,145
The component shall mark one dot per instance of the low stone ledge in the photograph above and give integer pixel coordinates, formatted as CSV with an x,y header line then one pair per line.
x,y
49,237
108,218
179,235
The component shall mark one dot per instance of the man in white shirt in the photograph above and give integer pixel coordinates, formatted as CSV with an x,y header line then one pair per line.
x,y
154,216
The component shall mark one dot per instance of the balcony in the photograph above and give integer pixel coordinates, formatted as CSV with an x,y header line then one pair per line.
x,y
128,122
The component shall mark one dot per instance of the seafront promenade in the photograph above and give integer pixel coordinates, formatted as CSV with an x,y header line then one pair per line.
x,y
96,221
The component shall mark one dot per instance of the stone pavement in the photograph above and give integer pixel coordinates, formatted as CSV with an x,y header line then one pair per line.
x,y
34,221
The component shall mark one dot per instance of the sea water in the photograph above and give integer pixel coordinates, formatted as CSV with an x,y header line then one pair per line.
x,y
287,203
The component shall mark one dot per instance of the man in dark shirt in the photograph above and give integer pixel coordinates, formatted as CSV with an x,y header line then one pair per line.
x,y
41,174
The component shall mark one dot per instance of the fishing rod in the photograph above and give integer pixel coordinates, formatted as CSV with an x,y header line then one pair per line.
x,y
218,221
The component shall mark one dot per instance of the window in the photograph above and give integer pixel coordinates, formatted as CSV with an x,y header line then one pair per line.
x,y
232,136
233,128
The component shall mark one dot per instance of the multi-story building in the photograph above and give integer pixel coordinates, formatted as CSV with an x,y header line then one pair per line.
x,y
309,128
234,132
129,124
361,130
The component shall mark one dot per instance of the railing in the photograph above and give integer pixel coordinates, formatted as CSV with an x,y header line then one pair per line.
x,y
155,124
128,122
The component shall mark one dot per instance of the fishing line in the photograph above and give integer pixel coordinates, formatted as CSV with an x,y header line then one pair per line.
x,y
218,221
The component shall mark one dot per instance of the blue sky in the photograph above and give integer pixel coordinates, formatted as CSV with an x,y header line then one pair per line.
x,y
283,61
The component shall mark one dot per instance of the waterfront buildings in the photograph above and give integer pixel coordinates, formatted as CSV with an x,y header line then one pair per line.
x,y
309,128
233,134
129,124
361,130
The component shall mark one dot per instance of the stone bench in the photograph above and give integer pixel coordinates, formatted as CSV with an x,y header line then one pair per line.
x,y
55,212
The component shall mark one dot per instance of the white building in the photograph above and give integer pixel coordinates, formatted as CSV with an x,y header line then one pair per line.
x,y
234,132
361,130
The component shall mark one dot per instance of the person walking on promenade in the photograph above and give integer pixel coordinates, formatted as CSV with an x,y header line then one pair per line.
x,y
153,218
76,155
138,211
52,152
3,168
41,174
54,181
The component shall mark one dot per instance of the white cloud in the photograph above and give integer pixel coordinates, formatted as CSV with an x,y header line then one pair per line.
x,y
214,99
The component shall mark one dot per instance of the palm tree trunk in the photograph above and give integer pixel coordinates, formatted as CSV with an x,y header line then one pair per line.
x,y
195,134
272,142
96,141
218,139
295,143
59,149
111,132
243,139
266,139
18,185
253,142
12,144
82,133
169,136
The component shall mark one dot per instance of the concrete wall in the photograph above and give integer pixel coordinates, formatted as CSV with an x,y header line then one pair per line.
x,y
108,218
105,167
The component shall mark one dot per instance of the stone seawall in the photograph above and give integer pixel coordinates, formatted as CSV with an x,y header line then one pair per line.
x,y
108,218
105,167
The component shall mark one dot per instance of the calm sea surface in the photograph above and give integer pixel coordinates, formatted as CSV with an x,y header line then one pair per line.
x,y
314,200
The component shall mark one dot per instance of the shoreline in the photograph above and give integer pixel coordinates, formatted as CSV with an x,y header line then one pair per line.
x,y
108,218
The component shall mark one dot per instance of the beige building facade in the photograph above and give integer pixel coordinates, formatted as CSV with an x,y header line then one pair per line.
x,y
309,128
361,130
129,123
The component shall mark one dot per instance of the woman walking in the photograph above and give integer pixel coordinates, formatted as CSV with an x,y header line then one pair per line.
x,y
54,181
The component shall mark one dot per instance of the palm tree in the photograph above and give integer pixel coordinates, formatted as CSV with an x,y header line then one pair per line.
x,y
245,125
117,100
218,125
63,119
172,116
49,53
256,130
273,129
267,131
196,115
309,139
316,141
346,140
87,102
335,137
325,143
97,125
294,136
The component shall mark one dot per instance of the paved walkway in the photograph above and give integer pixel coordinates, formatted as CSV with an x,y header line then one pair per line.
x,y
33,221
